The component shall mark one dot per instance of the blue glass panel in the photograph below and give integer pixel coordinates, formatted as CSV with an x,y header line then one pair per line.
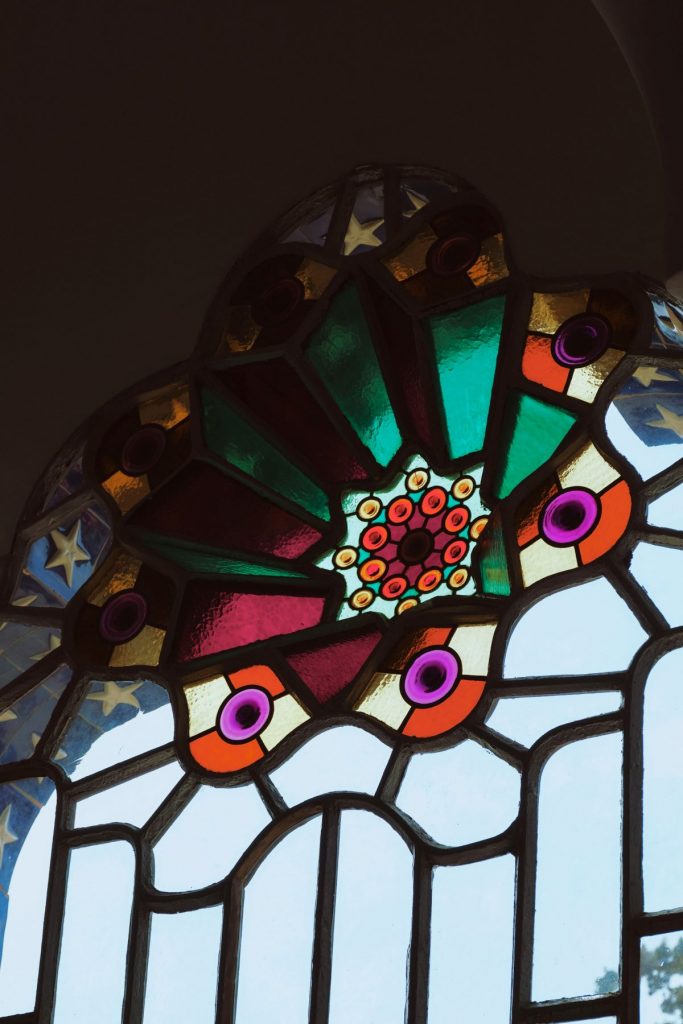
x,y
668,325
22,724
21,646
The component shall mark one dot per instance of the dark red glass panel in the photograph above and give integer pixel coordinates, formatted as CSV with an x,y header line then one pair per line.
x,y
329,666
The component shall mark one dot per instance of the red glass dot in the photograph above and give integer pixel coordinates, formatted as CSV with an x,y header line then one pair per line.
x,y
457,519
374,537
429,580
394,587
399,510
433,501
455,551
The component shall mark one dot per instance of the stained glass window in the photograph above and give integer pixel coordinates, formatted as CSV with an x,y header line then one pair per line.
x,y
341,666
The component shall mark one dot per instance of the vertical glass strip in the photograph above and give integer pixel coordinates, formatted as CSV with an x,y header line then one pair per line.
x,y
660,972
342,355
466,349
182,968
92,960
230,436
532,432
471,945
578,884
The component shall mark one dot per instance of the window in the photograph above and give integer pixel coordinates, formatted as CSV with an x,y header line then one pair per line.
x,y
340,668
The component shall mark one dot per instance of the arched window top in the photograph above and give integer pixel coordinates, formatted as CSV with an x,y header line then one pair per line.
x,y
399,539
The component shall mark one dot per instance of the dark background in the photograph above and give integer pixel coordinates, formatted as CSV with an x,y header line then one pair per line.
x,y
146,143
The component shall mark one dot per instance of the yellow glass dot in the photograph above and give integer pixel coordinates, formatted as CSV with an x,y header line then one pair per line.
x,y
418,479
369,508
405,606
362,599
463,487
458,578
345,558
477,527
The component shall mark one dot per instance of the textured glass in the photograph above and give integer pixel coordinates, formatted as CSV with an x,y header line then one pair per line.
x,y
372,919
229,435
23,722
182,971
22,645
577,931
533,431
278,931
472,912
204,560
92,958
341,353
466,350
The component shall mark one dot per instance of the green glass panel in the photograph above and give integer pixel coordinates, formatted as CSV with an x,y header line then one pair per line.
x,y
493,566
205,559
532,432
230,436
466,349
342,354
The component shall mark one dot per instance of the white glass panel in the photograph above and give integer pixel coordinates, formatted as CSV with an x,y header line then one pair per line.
x,y
526,719
659,956
129,739
92,961
578,885
278,925
647,461
583,629
372,923
659,570
460,795
208,837
23,937
342,759
667,510
471,946
182,971
663,784
132,801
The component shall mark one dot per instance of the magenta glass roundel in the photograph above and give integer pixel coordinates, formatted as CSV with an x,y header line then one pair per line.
x,y
570,516
245,714
431,677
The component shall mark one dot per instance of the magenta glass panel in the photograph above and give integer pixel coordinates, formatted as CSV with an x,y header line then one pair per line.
x,y
328,667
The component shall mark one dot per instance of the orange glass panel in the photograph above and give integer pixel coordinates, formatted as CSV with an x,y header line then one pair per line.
x,y
216,755
257,675
538,364
426,722
616,510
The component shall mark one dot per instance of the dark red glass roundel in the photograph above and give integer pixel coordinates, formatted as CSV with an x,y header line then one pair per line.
x,y
143,449
453,255
278,302
581,340
122,617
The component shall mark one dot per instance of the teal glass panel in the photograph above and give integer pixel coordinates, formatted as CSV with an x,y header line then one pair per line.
x,y
211,560
342,354
493,567
230,436
466,349
533,431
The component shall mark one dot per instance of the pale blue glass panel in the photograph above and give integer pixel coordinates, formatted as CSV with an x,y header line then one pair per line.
x,y
584,629
667,510
208,837
182,969
460,795
24,892
659,570
663,784
278,925
372,923
578,883
646,460
132,801
342,759
656,954
526,719
92,960
471,942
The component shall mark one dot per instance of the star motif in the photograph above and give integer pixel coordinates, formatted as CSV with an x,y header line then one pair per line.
x,y
24,602
669,421
6,836
59,756
54,643
676,321
67,551
416,201
112,695
7,715
361,234
646,374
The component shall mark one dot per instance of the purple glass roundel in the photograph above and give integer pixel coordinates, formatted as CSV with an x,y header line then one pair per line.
x,y
581,340
122,617
431,676
143,449
244,714
570,516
